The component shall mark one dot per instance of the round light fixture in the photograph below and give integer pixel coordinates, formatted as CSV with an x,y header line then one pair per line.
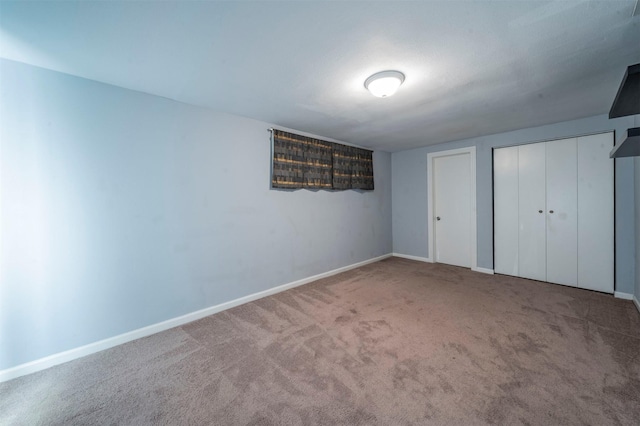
x,y
385,83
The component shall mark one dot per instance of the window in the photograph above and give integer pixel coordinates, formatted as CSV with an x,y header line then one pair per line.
x,y
304,162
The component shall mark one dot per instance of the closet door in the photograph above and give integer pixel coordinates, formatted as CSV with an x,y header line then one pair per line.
x,y
505,210
562,212
531,207
595,213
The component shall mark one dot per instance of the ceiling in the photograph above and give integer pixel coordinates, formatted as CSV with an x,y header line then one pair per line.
x,y
472,68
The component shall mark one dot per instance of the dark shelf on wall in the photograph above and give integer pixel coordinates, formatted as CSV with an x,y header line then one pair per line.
x,y
630,147
627,101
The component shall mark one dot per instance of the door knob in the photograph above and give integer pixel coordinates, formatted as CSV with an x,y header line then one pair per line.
x,y
550,211
437,217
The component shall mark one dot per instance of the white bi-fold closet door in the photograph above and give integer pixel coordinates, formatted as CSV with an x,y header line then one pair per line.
x,y
554,212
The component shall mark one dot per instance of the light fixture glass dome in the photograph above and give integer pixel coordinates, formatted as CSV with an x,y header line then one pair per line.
x,y
385,83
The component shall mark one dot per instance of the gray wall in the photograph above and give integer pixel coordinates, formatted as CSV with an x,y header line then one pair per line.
x,y
409,194
120,210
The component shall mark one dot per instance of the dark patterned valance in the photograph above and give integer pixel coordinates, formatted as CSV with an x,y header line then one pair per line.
x,y
352,168
304,162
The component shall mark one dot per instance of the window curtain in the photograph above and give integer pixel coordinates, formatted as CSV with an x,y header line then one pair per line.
x,y
304,162
352,168
300,162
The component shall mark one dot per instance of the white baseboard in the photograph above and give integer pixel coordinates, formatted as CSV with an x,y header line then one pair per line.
x,y
621,295
483,270
430,260
62,357
418,258
627,296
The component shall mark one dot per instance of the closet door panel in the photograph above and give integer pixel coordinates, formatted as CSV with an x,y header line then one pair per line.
x,y
505,210
595,213
531,207
562,212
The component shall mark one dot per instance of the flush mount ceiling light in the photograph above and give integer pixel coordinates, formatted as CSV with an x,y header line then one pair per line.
x,y
385,83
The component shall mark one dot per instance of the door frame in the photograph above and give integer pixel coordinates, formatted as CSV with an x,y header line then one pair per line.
x,y
472,202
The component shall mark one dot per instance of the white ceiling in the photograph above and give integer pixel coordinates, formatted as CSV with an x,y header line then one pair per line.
x,y
472,68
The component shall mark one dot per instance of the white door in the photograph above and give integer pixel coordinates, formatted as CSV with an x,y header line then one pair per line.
x,y
532,240
452,209
505,210
595,213
562,212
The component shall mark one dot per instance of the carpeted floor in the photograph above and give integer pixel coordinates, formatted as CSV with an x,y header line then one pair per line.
x,y
395,342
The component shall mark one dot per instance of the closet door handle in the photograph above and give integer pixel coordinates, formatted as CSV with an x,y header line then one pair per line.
x,y
437,217
539,211
551,211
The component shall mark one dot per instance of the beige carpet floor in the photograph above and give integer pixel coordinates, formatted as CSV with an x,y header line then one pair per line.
x,y
395,342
